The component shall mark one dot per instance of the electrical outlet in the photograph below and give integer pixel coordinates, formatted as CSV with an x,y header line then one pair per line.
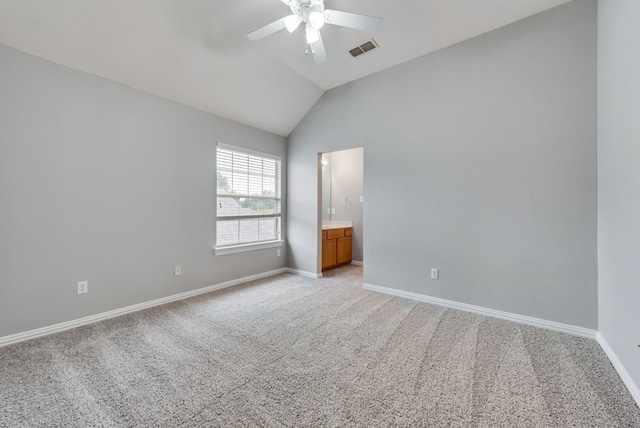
x,y
361,199
83,287
177,271
278,253
435,274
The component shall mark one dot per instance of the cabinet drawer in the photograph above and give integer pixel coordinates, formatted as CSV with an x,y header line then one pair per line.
x,y
335,233
348,232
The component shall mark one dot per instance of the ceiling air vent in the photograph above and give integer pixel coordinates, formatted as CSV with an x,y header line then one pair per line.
x,y
364,48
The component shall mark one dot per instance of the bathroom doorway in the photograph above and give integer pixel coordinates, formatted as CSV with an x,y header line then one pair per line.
x,y
342,208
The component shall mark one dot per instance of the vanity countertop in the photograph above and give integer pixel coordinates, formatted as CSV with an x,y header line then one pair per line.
x,y
336,224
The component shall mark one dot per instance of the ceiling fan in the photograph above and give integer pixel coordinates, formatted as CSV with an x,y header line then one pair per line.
x,y
314,15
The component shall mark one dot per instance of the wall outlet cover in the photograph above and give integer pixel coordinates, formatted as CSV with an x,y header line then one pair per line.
x,y
435,274
177,271
83,287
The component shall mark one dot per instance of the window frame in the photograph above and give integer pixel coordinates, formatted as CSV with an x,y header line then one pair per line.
x,y
258,245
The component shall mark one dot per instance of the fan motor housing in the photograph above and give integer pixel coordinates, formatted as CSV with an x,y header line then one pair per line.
x,y
303,8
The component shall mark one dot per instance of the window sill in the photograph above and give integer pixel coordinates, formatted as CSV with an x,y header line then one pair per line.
x,y
221,251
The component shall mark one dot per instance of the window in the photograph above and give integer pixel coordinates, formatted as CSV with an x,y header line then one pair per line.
x,y
248,199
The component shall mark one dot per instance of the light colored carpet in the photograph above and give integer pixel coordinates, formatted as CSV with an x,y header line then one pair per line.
x,y
292,351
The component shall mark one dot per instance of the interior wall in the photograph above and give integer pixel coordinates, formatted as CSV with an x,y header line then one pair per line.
x,y
619,179
326,186
480,161
347,177
104,183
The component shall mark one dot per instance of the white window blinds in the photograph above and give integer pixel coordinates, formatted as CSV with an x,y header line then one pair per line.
x,y
248,197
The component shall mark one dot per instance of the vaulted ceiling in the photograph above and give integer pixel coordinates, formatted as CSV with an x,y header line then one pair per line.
x,y
196,51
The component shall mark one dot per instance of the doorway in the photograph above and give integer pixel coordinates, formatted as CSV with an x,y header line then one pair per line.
x,y
342,208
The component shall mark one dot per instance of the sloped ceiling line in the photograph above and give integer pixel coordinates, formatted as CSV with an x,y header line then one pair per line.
x,y
196,52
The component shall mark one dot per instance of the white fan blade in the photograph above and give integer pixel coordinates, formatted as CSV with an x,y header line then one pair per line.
x,y
366,23
318,50
267,30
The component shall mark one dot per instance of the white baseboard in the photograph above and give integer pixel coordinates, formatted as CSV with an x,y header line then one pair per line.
x,y
617,364
522,319
357,263
56,328
304,273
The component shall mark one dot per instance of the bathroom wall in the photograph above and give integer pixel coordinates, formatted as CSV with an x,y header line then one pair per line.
x,y
326,186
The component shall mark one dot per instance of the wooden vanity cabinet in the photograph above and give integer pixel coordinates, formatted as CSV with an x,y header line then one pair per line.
x,y
337,247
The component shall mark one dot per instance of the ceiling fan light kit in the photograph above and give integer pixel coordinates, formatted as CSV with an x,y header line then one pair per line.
x,y
312,34
316,19
292,22
314,15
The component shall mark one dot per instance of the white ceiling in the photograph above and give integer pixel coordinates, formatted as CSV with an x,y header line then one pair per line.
x,y
195,51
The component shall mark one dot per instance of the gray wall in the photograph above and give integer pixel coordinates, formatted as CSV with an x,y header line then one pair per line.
x,y
104,183
347,177
480,160
326,187
619,179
